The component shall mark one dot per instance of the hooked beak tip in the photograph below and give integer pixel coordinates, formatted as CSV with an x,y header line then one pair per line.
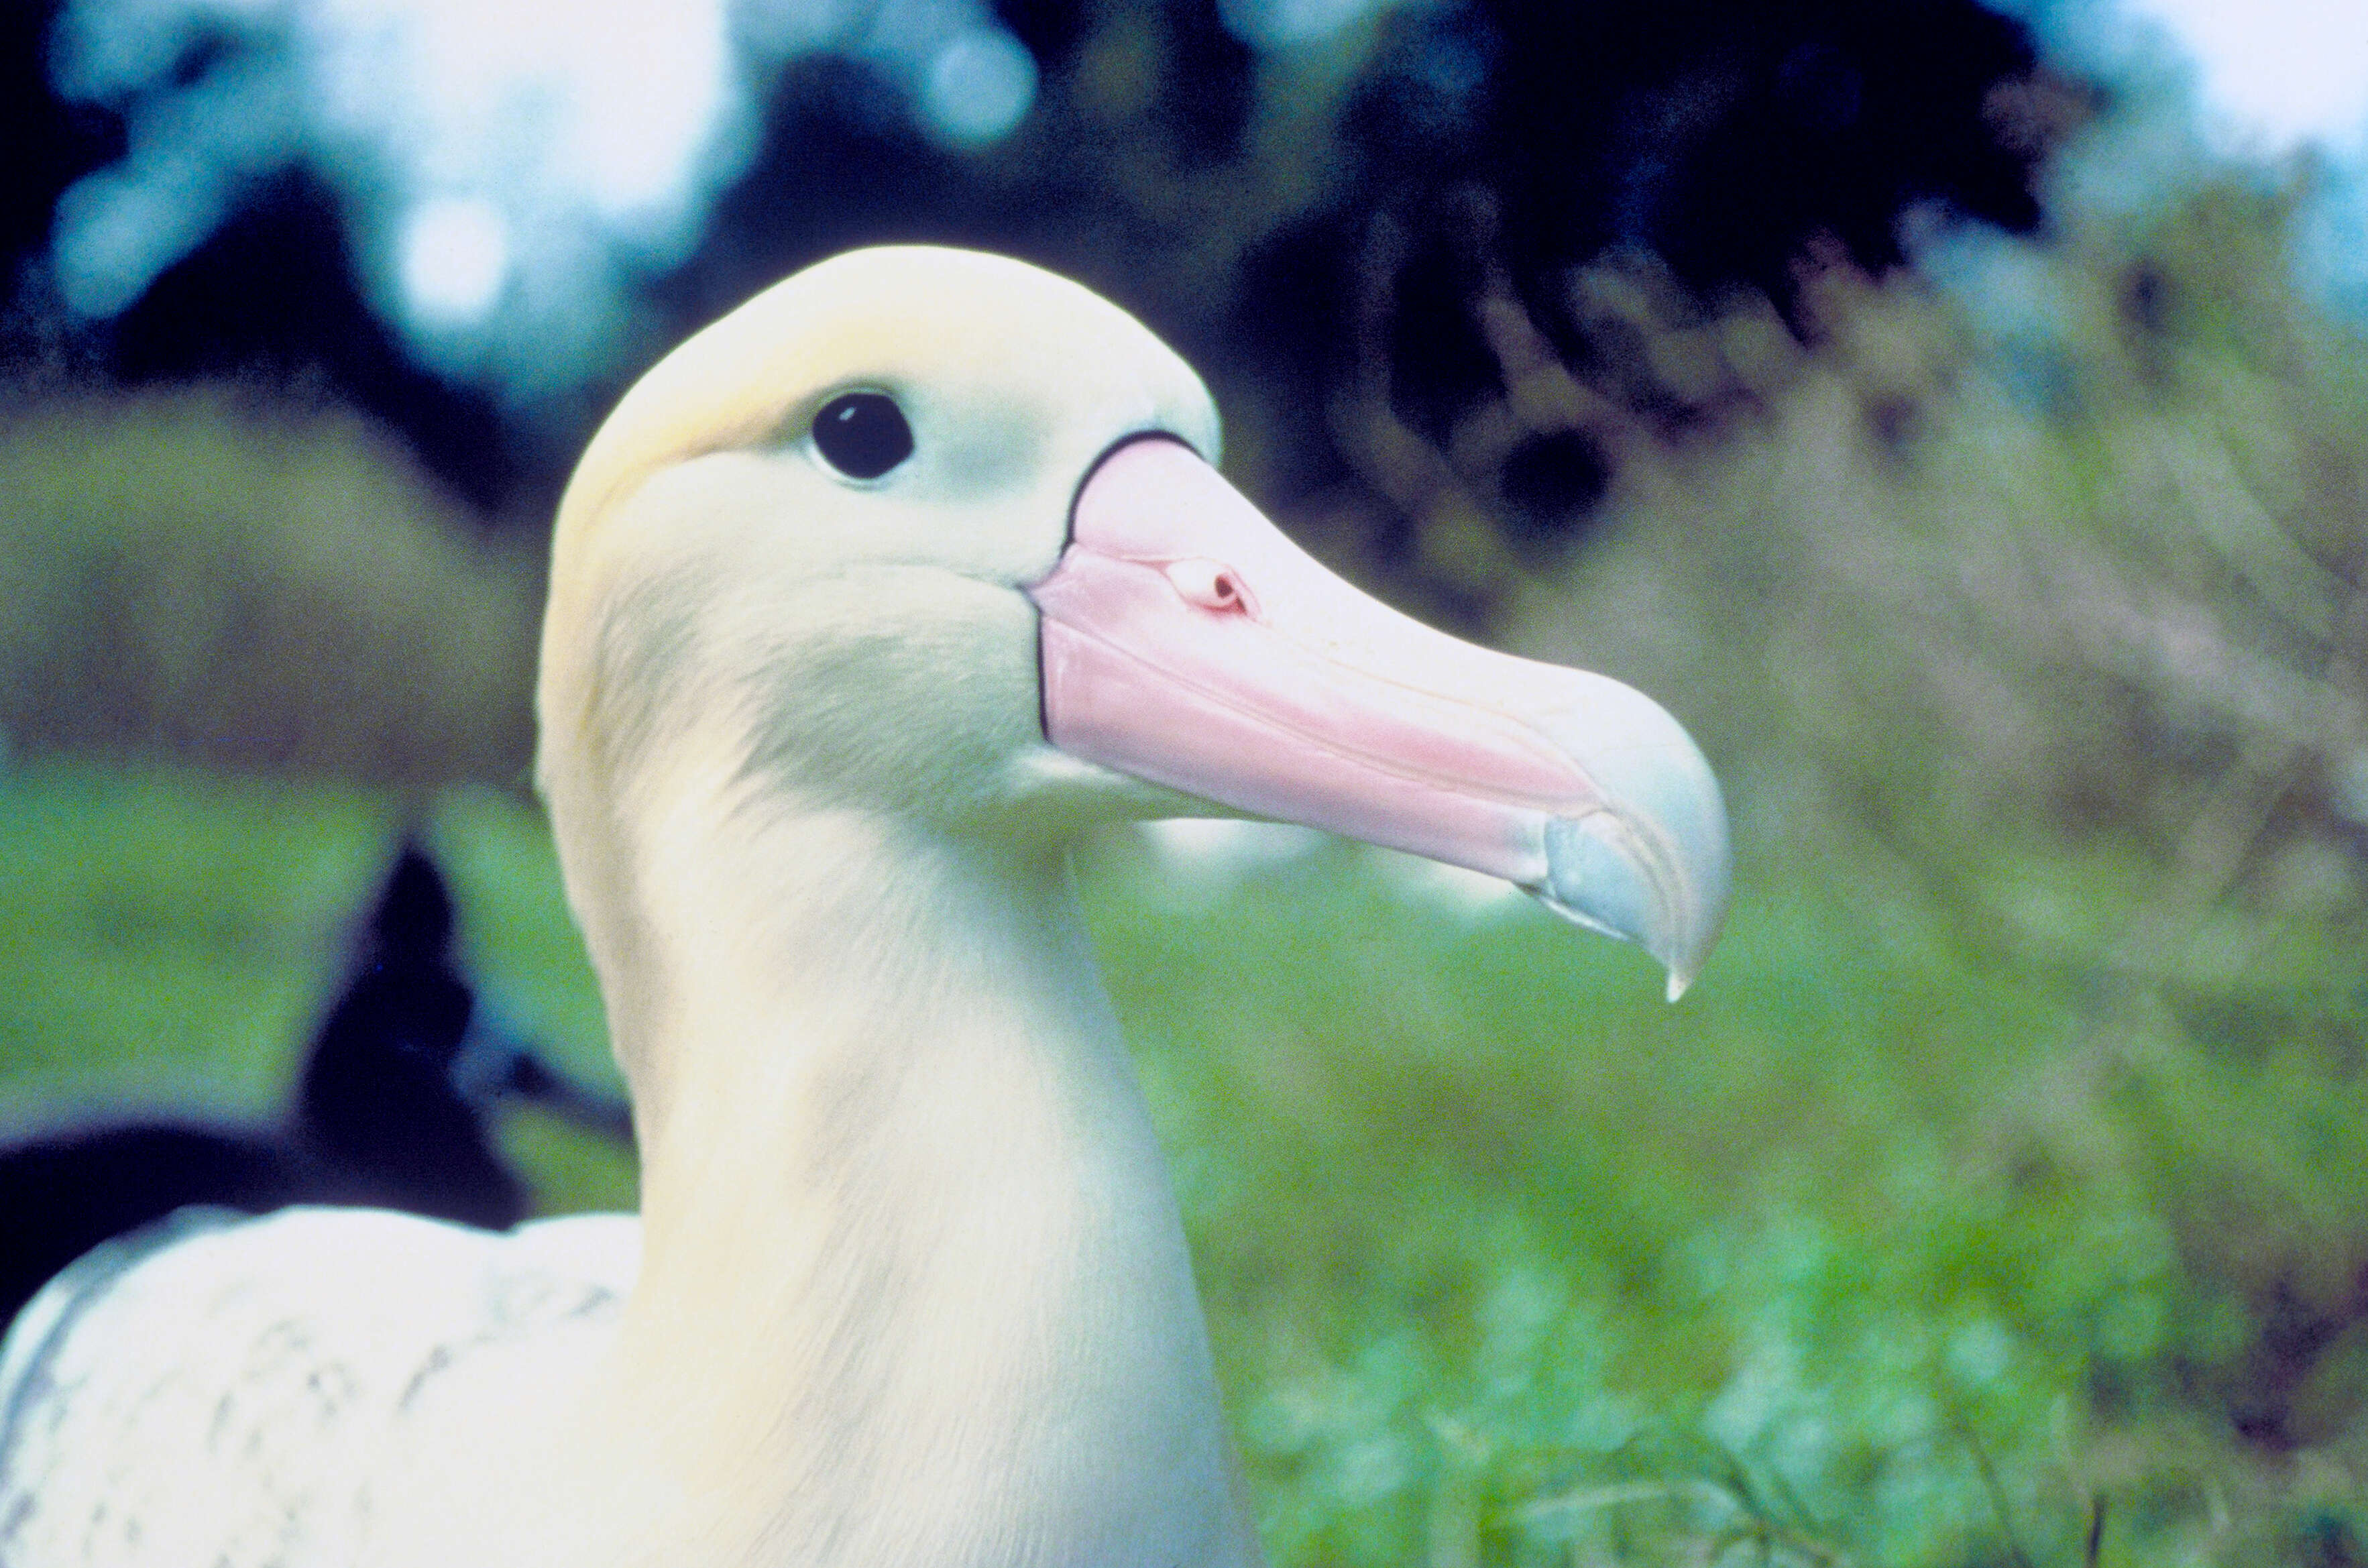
x,y
1652,866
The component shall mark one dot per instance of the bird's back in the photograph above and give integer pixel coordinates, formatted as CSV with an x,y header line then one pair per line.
x,y
229,1392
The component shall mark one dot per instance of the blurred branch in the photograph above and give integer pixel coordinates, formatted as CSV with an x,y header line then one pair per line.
x,y
1450,520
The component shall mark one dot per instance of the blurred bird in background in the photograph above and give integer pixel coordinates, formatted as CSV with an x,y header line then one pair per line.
x,y
397,1106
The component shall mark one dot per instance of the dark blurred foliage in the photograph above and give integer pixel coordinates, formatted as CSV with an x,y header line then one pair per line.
x,y
273,298
1722,137
1330,228
48,143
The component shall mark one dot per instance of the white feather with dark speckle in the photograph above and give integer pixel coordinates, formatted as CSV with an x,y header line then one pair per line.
x,y
281,1362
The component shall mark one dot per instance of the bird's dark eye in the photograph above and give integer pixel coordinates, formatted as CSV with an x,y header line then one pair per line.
x,y
862,434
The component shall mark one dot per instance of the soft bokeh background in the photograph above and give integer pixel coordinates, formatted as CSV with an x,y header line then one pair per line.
x,y
1958,415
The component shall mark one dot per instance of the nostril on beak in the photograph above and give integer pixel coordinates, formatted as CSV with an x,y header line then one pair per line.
x,y
1210,585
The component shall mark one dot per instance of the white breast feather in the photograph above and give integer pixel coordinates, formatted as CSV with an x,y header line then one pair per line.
x,y
226,1400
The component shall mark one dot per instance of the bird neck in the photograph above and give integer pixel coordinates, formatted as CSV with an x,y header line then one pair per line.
x,y
915,1285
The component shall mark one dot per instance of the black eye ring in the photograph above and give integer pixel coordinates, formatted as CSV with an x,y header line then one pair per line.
x,y
862,434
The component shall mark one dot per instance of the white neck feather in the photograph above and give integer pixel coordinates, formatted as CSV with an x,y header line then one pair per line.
x,y
915,1286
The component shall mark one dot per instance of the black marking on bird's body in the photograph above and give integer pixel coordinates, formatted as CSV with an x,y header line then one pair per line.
x,y
439,1359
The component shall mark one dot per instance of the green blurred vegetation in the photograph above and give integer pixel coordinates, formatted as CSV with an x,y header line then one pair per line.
x,y
1998,1196
202,573
170,937
1507,1261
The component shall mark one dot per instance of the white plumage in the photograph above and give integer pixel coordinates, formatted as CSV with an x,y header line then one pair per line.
x,y
184,1396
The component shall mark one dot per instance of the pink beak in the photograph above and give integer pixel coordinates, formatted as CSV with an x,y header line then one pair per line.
x,y
1188,643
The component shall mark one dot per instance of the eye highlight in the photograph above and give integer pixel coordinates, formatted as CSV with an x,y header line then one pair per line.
x,y
862,434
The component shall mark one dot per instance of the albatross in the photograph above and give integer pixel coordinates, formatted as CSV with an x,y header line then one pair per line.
x,y
865,603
